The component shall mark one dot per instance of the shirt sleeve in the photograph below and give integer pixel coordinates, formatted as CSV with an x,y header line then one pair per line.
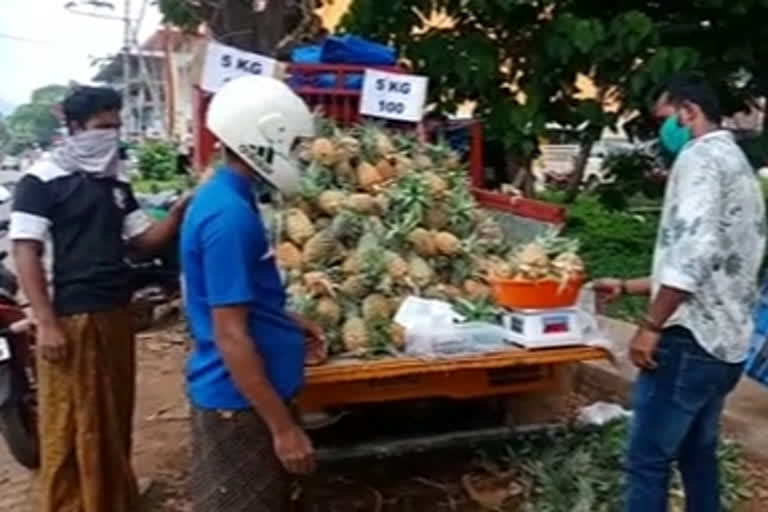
x,y
31,210
136,220
230,254
691,232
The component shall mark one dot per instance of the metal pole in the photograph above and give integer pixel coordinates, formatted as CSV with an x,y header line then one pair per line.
x,y
127,63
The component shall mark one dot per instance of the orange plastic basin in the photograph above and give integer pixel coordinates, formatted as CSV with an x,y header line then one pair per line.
x,y
543,294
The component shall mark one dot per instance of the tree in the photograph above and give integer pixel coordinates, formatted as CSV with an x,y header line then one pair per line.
x,y
35,123
262,26
5,135
519,61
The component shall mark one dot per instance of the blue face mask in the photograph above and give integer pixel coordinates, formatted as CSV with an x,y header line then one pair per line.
x,y
673,135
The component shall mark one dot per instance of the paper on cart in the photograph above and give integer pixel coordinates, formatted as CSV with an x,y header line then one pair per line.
x,y
415,310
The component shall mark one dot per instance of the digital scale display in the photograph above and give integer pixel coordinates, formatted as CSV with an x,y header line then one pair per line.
x,y
556,324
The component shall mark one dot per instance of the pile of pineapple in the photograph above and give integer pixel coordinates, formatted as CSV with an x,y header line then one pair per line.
x,y
382,216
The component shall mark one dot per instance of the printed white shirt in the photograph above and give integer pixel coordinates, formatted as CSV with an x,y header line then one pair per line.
x,y
710,243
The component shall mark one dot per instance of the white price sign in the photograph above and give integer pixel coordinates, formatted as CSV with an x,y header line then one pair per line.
x,y
393,95
223,63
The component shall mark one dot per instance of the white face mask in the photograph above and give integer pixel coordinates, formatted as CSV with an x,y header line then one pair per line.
x,y
94,152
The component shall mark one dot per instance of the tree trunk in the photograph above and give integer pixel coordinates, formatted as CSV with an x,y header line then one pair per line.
x,y
235,23
519,174
576,177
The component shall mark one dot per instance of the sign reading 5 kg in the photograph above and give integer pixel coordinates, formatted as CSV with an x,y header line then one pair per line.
x,y
393,96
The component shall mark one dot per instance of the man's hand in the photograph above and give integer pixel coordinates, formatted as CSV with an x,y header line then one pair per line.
x,y
608,290
295,451
317,343
52,342
642,349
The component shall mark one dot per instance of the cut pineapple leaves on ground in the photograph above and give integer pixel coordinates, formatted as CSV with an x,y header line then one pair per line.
x,y
381,216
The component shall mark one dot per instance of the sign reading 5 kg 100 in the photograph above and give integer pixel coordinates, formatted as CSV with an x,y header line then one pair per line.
x,y
393,96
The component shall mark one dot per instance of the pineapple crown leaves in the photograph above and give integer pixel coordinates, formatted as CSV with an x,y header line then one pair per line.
x,y
477,310
348,225
553,243
367,133
315,180
380,340
324,125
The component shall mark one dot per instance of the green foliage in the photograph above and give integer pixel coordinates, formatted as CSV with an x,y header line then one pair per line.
x,y
630,174
157,161
180,14
35,123
519,60
614,244
580,471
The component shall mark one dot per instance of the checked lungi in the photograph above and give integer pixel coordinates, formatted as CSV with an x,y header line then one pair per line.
x,y
235,468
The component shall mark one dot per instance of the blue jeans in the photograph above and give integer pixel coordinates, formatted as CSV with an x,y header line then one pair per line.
x,y
677,409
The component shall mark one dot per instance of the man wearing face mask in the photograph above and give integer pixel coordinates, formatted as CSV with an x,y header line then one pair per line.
x,y
691,345
75,210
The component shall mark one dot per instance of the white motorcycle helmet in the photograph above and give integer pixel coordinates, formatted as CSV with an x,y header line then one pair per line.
x,y
261,120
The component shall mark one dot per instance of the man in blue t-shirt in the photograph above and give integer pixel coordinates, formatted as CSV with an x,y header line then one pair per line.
x,y
247,364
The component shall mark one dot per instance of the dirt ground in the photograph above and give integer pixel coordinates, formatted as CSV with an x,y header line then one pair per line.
x,y
162,440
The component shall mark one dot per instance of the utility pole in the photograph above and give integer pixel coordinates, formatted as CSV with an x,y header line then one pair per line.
x,y
127,110
91,8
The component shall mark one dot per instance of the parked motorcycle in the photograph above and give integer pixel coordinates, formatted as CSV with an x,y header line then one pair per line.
x,y
18,378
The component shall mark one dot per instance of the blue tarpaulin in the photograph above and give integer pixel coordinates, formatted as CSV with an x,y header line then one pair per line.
x,y
341,50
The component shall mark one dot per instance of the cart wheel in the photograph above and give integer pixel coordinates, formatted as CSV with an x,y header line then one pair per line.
x,y
20,433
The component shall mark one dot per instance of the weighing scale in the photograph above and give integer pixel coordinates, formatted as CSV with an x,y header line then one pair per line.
x,y
547,328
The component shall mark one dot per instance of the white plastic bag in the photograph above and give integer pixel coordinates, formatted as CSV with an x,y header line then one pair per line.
x,y
601,413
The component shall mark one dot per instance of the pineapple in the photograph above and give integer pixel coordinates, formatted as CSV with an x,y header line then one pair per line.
x,y
323,151
328,312
322,223
397,267
321,248
376,307
422,161
354,335
368,177
397,336
331,201
298,227
348,146
361,203
437,185
423,242
317,283
386,169
533,255
352,264
345,171
437,217
420,271
348,227
288,256
447,243
475,290
384,144
354,287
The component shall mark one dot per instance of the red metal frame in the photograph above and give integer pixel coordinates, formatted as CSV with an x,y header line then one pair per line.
x,y
342,105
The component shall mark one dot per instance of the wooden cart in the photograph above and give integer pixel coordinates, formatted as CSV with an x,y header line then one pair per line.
x,y
345,382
